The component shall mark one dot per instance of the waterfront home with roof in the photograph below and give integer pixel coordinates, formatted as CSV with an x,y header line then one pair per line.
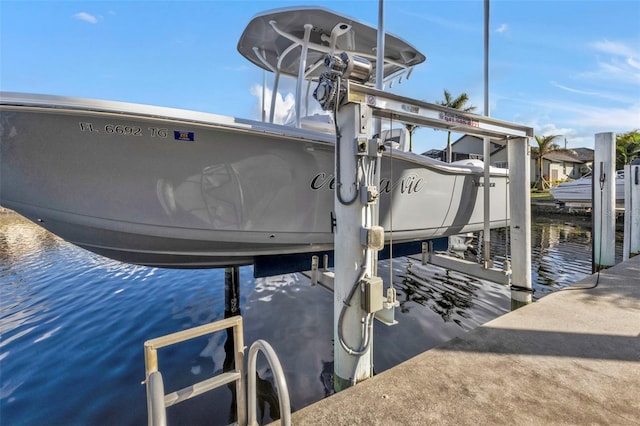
x,y
557,165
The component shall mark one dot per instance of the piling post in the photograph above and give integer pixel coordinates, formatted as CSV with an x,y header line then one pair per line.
x,y
353,262
486,149
232,308
604,201
231,291
520,222
631,211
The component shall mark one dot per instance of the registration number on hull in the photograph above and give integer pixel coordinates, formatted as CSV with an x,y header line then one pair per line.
x,y
124,130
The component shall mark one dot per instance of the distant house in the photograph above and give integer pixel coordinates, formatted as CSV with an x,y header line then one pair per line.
x,y
471,147
557,165
586,156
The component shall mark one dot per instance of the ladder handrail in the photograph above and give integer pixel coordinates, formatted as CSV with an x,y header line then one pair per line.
x,y
278,375
157,401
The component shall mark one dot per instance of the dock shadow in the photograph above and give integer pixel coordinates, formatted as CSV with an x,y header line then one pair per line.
x,y
547,343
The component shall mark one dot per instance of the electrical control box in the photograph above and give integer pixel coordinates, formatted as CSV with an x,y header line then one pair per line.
x,y
372,238
371,148
372,294
369,194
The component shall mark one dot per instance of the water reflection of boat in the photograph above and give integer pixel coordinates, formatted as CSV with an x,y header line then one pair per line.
x,y
176,188
448,296
20,237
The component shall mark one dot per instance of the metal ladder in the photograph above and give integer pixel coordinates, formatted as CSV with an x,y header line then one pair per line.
x,y
158,401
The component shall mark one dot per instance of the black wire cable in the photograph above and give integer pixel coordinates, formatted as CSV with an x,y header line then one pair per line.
x,y
338,140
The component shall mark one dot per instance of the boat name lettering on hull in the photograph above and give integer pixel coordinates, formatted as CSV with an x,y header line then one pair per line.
x,y
407,185
322,179
123,130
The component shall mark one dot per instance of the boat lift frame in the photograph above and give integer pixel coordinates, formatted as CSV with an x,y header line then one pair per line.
x,y
398,108
359,106
412,111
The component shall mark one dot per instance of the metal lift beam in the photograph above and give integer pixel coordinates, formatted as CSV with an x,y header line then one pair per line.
x,y
412,111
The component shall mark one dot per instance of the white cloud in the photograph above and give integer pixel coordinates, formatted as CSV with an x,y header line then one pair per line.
x,y
577,121
621,62
609,119
542,126
84,16
594,118
633,63
569,89
284,108
601,96
502,29
614,48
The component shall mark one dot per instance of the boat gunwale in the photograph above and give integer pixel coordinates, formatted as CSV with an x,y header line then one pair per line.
x,y
151,112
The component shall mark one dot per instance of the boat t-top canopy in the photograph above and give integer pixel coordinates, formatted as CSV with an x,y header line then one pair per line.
x,y
295,41
276,41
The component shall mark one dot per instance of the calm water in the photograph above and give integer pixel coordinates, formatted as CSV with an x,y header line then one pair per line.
x,y
73,324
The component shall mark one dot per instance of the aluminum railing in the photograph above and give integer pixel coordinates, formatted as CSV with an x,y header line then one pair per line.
x,y
278,375
158,401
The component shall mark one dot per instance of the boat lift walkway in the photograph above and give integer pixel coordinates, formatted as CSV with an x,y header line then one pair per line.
x,y
572,357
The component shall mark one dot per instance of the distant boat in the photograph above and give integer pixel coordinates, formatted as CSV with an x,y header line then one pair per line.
x,y
176,188
580,190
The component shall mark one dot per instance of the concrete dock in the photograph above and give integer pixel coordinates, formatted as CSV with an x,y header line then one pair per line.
x,y
573,357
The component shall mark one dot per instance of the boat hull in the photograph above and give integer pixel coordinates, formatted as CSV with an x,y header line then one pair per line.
x,y
580,191
172,188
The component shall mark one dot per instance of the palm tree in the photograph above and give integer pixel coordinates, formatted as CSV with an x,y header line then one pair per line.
x,y
545,146
627,148
410,128
457,103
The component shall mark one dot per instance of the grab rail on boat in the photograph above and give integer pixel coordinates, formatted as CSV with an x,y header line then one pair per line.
x,y
157,401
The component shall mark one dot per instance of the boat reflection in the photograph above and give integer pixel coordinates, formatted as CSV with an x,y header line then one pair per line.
x,y
204,355
555,242
447,293
18,238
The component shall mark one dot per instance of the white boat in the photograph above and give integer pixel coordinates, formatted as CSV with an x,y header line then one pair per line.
x,y
579,191
176,188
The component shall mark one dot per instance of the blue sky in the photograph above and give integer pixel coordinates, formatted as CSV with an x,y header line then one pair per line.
x,y
569,68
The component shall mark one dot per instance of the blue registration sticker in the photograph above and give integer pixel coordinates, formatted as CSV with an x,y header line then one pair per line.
x,y
180,135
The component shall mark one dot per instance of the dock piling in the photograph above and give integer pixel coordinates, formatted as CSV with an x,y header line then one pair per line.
x,y
486,149
604,201
631,244
231,291
520,222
